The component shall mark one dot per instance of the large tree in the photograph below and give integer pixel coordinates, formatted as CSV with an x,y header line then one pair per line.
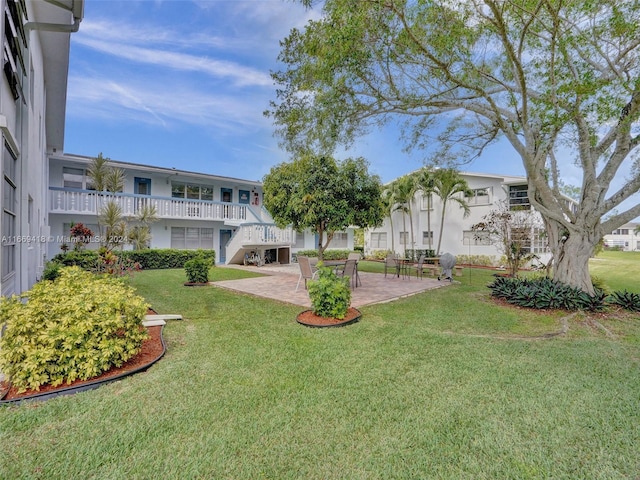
x,y
542,74
326,196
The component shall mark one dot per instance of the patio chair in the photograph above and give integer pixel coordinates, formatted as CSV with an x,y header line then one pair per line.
x,y
307,271
392,264
350,270
420,266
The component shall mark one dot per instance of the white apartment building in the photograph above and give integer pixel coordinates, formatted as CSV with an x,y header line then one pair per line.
x,y
457,237
35,45
194,210
624,238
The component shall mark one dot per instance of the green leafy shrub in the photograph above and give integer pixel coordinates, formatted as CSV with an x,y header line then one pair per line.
x,y
335,254
197,270
330,295
75,327
148,259
481,260
545,293
414,254
627,300
51,270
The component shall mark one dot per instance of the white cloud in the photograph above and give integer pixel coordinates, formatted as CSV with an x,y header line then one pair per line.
x,y
239,74
161,104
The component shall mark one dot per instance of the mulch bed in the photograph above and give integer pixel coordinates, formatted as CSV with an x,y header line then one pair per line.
x,y
152,350
312,320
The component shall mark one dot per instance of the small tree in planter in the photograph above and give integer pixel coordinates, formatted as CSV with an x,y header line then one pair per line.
x,y
330,295
197,270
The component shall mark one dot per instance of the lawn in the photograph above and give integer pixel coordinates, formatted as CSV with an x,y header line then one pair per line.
x,y
445,384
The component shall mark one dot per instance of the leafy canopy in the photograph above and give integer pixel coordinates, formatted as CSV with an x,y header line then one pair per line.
x,y
542,74
319,193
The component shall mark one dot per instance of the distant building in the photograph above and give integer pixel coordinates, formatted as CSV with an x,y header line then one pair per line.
x,y
457,236
33,92
624,238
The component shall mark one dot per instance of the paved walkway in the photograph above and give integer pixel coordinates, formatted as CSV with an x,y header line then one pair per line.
x,y
280,284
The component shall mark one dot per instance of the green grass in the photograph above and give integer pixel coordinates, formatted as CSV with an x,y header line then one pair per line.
x,y
445,384
618,269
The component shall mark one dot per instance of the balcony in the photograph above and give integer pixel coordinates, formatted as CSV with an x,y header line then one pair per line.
x,y
89,202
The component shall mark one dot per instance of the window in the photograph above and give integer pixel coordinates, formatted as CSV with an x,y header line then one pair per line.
x,y
404,238
539,243
191,238
191,191
469,237
621,231
426,237
76,178
339,240
9,213
426,202
518,197
379,240
299,240
481,196
206,193
13,44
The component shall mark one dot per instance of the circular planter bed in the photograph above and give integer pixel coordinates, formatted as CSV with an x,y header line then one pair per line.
x,y
310,319
152,350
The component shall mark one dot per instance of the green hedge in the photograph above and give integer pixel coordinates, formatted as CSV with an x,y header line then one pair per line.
x,y
335,254
149,259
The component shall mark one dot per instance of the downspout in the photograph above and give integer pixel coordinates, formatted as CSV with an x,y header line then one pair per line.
x,y
77,9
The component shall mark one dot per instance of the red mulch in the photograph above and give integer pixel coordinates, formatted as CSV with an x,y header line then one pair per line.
x,y
309,318
151,350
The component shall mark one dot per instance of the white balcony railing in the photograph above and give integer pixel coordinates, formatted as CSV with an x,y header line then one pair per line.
x,y
89,202
265,234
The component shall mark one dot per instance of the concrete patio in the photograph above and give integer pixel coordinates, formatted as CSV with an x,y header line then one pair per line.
x,y
280,284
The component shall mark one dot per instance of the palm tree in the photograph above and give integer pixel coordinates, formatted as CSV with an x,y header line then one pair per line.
x,y
404,189
425,182
447,184
387,205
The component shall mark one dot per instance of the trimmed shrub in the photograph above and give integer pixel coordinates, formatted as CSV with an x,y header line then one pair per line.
x,y
197,270
337,254
330,295
149,259
75,327
414,254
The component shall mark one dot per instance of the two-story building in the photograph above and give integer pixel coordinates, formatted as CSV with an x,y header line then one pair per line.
x,y
193,210
624,238
35,45
457,235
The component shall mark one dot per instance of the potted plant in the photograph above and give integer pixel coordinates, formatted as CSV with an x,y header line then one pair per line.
x,y
330,301
197,270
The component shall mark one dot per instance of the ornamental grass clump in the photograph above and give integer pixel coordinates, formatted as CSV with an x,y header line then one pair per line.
x,y
330,295
73,328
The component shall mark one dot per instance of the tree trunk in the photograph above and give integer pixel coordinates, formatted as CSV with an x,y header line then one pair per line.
x,y
429,233
444,206
571,253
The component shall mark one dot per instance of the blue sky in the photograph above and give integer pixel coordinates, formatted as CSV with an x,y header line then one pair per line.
x,y
184,83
